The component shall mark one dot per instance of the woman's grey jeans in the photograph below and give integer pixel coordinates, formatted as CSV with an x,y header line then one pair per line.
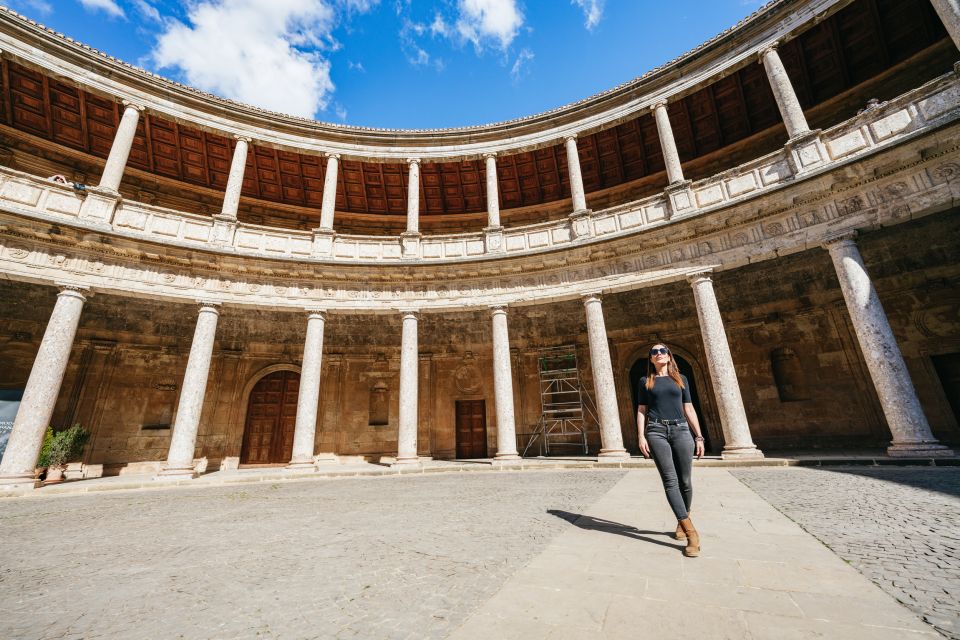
x,y
672,449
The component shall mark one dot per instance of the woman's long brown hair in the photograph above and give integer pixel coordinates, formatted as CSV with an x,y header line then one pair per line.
x,y
672,370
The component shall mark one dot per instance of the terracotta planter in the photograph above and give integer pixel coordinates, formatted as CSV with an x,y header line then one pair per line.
x,y
54,475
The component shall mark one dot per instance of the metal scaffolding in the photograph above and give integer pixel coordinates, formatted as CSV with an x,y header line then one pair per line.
x,y
567,410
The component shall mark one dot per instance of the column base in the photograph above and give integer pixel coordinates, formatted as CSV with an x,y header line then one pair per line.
x,y
805,151
100,204
405,462
176,473
580,224
300,465
410,245
679,199
224,228
920,450
608,454
741,453
323,241
19,482
506,456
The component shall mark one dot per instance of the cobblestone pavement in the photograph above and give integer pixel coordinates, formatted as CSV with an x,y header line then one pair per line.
x,y
900,527
398,557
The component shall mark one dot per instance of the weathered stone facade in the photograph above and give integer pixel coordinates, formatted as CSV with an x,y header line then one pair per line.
x,y
742,256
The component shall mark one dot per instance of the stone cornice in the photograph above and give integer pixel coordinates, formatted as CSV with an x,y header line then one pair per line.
x,y
34,45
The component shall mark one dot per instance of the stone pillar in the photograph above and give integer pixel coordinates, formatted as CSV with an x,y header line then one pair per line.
x,y
949,12
329,192
898,399
120,151
671,158
576,177
733,418
793,118
308,399
40,394
183,442
413,196
231,197
409,415
503,387
493,193
611,438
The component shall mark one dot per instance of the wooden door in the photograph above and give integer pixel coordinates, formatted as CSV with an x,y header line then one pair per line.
x,y
271,416
471,429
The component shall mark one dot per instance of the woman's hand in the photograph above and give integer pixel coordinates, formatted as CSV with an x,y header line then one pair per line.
x,y
698,450
645,448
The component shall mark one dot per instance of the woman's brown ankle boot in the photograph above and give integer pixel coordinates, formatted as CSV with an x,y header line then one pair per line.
x,y
692,550
679,534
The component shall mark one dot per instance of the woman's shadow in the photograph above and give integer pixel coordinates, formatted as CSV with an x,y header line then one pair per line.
x,y
609,526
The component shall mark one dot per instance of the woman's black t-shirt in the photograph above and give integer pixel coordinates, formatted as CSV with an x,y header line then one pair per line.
x,y
665,401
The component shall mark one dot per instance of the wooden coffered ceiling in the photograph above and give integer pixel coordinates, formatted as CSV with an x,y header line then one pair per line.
x,y
854,45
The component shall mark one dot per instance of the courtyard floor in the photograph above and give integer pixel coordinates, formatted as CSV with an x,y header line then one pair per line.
x,y
788,552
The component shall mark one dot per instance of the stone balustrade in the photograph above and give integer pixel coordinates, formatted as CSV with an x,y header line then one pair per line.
x,y
923,109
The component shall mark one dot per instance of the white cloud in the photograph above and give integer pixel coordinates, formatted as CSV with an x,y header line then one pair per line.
x,y
592,11
262,52
482,20
148,10
439,26
519,68
110,7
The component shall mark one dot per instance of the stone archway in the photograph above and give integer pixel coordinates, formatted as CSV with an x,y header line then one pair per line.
x,y
688,367
270,416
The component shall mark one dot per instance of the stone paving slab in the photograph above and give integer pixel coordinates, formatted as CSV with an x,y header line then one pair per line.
x,y
900,527
616,572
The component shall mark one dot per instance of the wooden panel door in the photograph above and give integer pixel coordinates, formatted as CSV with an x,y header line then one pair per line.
x,y
271,415
471,429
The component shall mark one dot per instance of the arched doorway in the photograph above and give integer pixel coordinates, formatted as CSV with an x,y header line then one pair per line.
x,y
639,369
271,417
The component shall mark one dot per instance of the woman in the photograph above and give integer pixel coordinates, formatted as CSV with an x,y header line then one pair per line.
x,y
670,432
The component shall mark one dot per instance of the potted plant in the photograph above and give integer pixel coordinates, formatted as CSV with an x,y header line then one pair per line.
x,y
65,446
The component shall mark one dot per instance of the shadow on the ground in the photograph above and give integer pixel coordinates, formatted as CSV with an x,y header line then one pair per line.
x,y
944,480
609,526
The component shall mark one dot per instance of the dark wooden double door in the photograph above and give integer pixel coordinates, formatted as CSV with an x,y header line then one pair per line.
x,y
271,417
471,429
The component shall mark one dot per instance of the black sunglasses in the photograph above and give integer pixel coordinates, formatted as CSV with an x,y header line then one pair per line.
x,y
659,350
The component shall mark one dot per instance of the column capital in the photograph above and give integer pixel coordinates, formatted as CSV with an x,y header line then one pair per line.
x,y
212,306
316,312
767,48
496,309
413,161
133,105
70,290
699,276
569,137
240,138
490,154
407,312
843,238
658,104
332,155
592,296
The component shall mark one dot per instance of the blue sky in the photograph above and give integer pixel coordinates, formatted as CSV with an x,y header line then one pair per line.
x,y
394,63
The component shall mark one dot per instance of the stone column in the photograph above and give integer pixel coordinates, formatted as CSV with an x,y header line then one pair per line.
x,y
671,158
611,438
409,415
40,394
733,418
898,398
231,197
793,118
493,193
413,196
308,400
183,442
949,12
576,177
503,387
120,150
329,192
